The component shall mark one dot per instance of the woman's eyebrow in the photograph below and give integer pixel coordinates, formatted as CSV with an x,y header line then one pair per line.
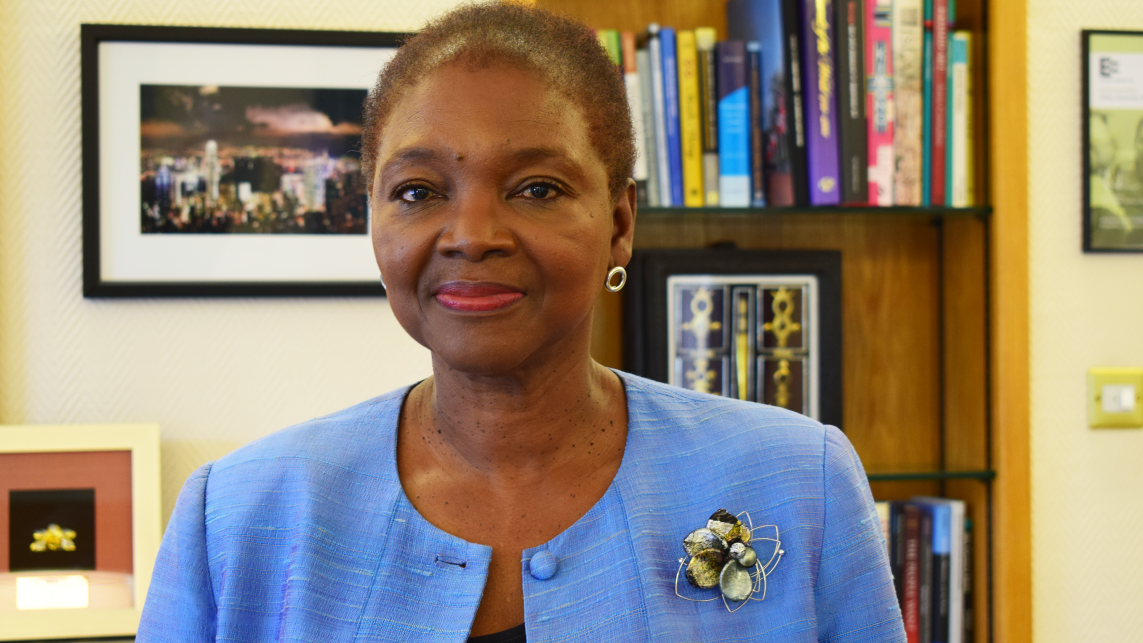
x,y
410,155
545,153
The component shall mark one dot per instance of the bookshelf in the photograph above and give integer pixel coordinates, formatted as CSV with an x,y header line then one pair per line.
x,y
933,404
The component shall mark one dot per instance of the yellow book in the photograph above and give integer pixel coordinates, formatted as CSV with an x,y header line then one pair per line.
x,y
690,120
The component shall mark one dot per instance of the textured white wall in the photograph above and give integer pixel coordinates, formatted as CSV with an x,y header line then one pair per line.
x,y
214,374
1087,310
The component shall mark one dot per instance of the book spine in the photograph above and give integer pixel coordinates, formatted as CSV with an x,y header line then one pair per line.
x,y
609,40
667,42
926,576
949,114
907,64
662,155
969,618
958,139
897,549
733,125
970,119
708,93
941,576
950,144
754,101
850,47
970,116
956,572
883,509
879,99
821,102
690,120
926,106
795,116
635,106
647,105
911,588
940,90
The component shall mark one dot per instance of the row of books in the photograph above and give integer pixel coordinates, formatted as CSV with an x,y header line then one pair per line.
x,y
809,102
929,541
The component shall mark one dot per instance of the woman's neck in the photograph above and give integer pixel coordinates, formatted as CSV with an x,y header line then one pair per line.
x,y
525,424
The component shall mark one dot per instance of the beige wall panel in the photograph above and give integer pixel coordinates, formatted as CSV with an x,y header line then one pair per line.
x,y
1087,510
213,373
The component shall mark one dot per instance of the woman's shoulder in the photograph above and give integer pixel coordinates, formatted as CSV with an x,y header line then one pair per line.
x,y
351,438
685,413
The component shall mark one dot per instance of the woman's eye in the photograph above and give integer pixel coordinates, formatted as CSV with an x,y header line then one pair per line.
x,y
541,191
414,193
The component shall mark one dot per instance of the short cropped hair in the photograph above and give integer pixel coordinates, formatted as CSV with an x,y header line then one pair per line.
x,y
563,52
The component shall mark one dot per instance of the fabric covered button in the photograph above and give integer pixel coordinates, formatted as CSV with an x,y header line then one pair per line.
x,y
543,565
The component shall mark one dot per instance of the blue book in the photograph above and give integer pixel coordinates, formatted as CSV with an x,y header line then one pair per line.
x,y
733,125
671,110
927,109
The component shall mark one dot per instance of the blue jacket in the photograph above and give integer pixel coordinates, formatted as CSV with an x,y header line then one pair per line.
x,y
306,535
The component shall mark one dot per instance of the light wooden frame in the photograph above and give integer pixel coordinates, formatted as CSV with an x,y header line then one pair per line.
x,y
142,440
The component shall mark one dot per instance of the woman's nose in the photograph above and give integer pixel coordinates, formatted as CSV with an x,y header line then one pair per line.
x,y
478,229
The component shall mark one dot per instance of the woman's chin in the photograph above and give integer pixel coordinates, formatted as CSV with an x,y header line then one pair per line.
x,y
479,358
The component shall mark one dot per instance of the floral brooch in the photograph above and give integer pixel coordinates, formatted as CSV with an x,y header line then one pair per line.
x,y
727,554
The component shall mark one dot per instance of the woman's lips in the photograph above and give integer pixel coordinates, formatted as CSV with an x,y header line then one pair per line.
x,y
477,297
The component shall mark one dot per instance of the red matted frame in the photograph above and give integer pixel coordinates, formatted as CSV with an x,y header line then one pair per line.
x,y
120,463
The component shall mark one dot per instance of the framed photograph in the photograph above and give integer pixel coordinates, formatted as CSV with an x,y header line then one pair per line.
x,y
79,529
1113,140
226,162
756,325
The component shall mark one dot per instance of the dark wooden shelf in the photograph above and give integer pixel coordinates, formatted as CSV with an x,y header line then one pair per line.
x,y
898,476
661,213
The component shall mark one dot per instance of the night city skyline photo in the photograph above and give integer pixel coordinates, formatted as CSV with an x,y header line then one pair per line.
x,y
251,160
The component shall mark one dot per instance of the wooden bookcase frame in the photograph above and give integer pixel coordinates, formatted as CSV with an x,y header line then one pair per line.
x,y
936,376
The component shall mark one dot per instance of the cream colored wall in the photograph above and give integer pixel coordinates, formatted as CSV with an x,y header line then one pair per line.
x,y
213,373
1086,310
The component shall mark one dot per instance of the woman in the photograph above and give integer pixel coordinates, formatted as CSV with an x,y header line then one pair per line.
x,y
523,489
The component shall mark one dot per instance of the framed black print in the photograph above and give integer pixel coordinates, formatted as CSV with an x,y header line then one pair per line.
x,y
761,326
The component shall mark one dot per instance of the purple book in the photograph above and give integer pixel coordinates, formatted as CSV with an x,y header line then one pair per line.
x,y
821,102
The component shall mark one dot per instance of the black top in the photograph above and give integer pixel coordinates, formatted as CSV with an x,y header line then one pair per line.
x,y
513,635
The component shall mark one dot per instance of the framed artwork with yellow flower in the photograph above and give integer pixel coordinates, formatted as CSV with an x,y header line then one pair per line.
x,y
79,529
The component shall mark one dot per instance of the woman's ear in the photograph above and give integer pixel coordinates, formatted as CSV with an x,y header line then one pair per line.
x,y
623,225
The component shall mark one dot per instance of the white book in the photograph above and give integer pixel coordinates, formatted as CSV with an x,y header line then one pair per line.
x,y
908,37
647,116
635,106
658,101
959,135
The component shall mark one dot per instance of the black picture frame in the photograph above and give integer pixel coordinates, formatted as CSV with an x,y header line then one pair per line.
x,y
1112,212
96,283
645,305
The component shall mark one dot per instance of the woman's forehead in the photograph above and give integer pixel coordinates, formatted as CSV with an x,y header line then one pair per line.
x,y
496,110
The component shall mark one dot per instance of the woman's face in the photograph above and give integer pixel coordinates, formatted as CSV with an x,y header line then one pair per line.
x,y
493,225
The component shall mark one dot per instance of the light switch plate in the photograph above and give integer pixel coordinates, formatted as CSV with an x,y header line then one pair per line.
x,y
1115,397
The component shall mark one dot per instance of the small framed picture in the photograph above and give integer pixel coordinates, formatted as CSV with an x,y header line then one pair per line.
x,y
226,162
761,326
79,529
1113,141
